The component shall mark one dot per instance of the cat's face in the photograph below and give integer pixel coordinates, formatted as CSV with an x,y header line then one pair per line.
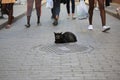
x,y
58,36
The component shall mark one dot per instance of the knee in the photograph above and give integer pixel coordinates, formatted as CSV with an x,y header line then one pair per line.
x,y
101,7
91,8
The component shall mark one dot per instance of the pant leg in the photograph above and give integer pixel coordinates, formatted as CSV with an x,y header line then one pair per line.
x,y
73,6
53,15
107,2
38,7
29,7
10,14
68,6
56,7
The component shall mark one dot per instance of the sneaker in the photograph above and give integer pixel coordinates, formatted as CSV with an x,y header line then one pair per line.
x,y
105,28
90,27
8,26
73,17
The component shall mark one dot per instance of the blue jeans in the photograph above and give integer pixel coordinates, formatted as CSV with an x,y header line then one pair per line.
x,y
68,6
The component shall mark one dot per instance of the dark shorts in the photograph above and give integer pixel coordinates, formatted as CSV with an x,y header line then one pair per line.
x,y
56,7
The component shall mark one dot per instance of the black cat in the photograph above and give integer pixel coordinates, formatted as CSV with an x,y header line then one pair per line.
x,y
66,37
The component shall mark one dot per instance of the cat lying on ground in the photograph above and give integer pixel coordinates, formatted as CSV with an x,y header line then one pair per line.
x,y
66,37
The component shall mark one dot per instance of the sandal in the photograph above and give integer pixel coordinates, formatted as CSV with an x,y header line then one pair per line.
x,y
27,25
8,26
38,22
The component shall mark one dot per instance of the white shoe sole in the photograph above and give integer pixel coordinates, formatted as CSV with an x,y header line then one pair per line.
x,y
106,29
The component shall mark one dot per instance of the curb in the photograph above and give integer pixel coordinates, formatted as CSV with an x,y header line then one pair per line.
x,y
113,14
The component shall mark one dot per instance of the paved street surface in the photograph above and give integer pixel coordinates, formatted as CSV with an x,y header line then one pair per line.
x,y
31,54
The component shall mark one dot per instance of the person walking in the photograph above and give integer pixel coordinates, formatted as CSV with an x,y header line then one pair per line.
x,y
29,11
55,11
102,14
73,8
7,7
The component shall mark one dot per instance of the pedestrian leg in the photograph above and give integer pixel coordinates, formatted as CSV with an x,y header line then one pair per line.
x,y
10,14
38,10
103,15
29,11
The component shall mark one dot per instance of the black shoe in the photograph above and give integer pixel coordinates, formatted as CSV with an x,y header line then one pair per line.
x,y
38,22
27,25
55,23
52,17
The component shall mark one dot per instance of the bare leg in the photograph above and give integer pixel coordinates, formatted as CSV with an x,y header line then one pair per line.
x,y
38,10
29,11
10,14
38,19
102,12
28,22
9,7
91,8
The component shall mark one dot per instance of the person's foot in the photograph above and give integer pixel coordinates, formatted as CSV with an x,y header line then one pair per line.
x,y
90,27
105,28
68,17
73,17
27,25
8,26
55,23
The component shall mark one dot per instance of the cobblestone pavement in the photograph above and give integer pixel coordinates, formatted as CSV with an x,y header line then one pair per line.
x,y
31,54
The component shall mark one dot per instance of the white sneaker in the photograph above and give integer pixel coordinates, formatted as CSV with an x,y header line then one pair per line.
x,y
105,28
90,27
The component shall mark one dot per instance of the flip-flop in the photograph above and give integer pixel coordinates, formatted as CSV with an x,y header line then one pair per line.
x,y
27,25
8,26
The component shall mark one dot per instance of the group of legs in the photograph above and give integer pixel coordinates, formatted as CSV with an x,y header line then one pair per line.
x,y
56,10
30,8
92,4
72,7
102,14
